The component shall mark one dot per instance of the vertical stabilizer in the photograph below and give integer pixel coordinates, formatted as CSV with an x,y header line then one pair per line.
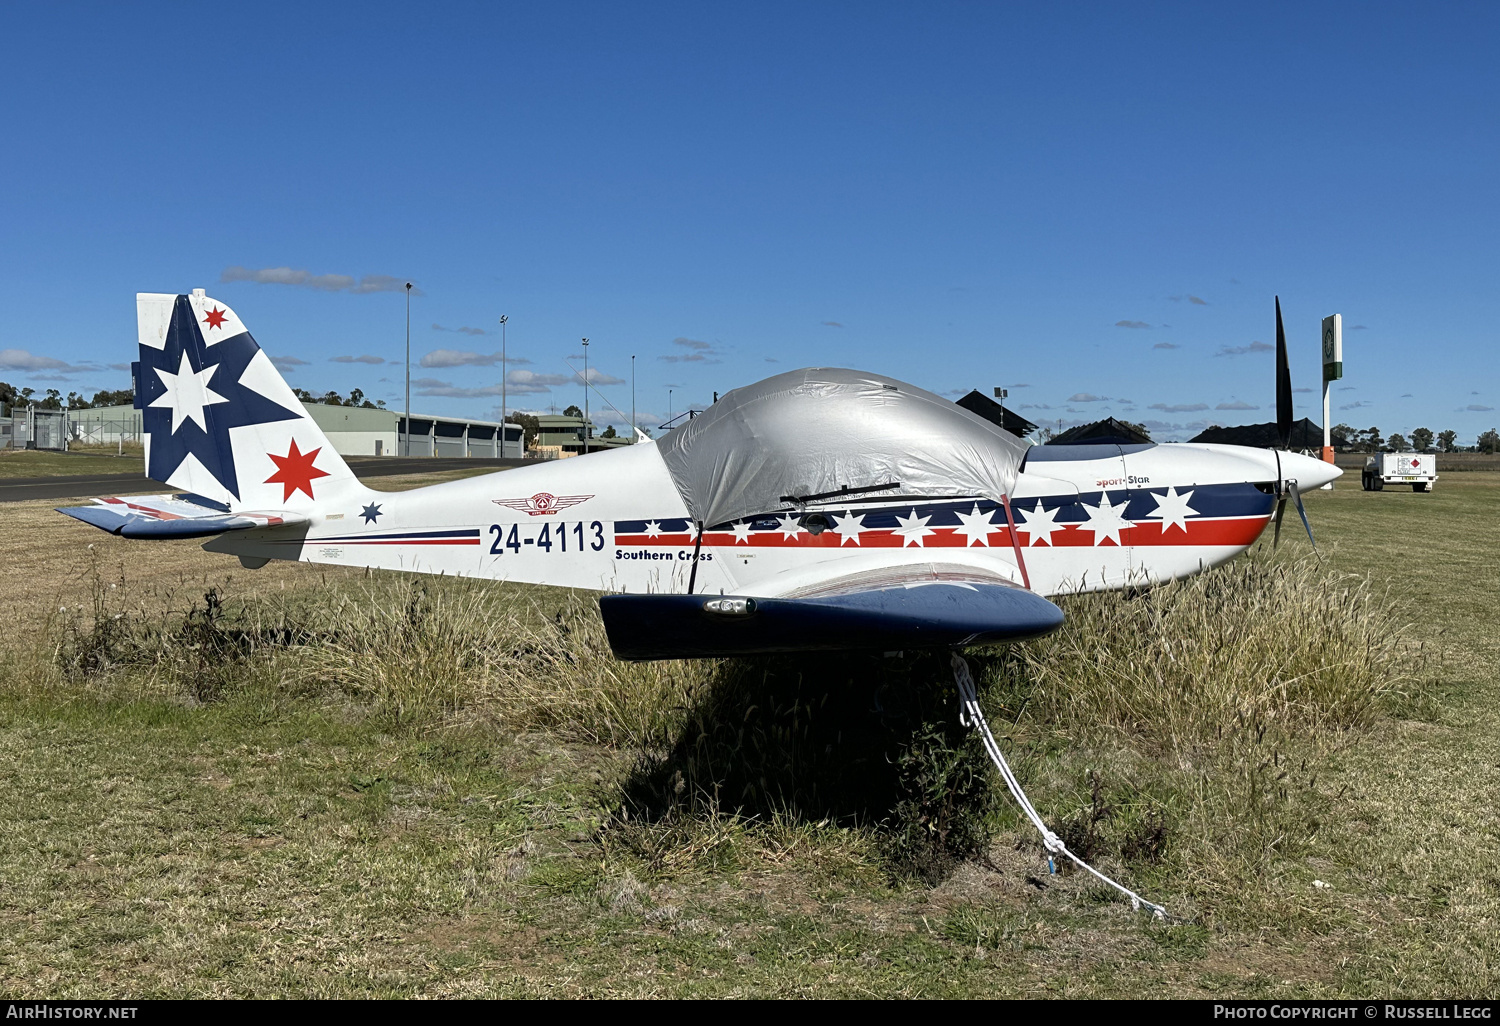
x,y
219,420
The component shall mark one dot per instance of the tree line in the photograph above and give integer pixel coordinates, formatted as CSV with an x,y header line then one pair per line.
x,y
1421,440
53,399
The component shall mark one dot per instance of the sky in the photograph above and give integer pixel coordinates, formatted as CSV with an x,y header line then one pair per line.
x,y
1091,205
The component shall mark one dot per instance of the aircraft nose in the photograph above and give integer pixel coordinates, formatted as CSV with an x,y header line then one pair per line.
x,y
1308,472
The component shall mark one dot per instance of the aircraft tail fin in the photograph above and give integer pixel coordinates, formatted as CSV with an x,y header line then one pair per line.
x,y
219,419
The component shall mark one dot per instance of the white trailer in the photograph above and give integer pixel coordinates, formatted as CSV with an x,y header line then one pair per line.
x,y
1400,468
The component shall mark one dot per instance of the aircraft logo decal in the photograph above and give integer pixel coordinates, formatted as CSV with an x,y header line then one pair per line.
x,y
371,513
542,504
295,471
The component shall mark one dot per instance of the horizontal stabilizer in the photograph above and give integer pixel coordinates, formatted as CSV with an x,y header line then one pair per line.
x,y
927,616
172,516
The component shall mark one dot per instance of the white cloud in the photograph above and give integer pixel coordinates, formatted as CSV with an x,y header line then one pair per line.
x,y
367,358
1253,347
1087,397
21,359
1179,407
1166,345
1238,404
463,358
701,352
1138,325
321,282
465,330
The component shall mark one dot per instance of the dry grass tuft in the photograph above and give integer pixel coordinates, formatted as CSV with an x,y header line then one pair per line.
x,y
1293,648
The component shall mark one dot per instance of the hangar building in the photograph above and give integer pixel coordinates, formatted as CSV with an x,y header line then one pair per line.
x,y
352,430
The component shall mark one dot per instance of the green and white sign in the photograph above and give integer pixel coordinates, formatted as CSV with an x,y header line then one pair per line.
x,y
1333,347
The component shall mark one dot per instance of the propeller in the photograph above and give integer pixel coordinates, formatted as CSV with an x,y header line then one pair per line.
x,y
1285,487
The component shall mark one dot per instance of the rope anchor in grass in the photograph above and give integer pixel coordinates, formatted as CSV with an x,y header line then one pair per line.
x,y
970,715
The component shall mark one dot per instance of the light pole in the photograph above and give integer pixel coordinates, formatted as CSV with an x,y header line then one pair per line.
x,y
669,406
1000,394
632,399
585,396
503,319
408,368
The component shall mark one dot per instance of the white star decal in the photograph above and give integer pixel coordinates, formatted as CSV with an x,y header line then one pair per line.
x,y
1105,520
913,529
1039,524
187,394
1173,509
848,527
977,527
653,529
741,532
790,528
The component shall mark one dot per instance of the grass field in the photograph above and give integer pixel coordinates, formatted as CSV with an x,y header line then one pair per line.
x,y
28,463
339,784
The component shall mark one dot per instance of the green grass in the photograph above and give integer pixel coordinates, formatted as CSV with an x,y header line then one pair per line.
x,y
24,463
444,789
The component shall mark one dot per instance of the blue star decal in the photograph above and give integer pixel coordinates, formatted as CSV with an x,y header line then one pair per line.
x,y
371,513
233,405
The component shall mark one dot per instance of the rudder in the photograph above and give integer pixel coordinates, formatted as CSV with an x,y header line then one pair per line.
x,y
218,418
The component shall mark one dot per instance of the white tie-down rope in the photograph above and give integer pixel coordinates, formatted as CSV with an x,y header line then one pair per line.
x,y
970,715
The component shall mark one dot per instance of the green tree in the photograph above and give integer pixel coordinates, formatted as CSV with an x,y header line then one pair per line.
x,y
529,426
1397,442
77,401
8,394
1342,435
1490,441
1447,440
1371,440
609,432
572,411
113,397
1421,439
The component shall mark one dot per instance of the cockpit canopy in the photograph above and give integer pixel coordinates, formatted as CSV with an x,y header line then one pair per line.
x,y
814,434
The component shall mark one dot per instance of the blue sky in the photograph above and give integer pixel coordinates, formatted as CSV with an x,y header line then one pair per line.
x,y
1093,205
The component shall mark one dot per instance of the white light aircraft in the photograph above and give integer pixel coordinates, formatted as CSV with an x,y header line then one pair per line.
x,y
816,510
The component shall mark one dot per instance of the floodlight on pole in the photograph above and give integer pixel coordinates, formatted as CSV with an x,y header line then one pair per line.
x,y
633,435
585,395
408,369
503,319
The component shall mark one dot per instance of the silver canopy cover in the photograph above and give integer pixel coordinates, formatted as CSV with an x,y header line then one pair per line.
x,y
819,430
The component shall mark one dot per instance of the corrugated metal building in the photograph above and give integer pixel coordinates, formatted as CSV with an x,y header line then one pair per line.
x,y
352,430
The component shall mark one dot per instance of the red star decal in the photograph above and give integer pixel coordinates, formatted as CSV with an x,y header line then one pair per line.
x,y
215,318
295,471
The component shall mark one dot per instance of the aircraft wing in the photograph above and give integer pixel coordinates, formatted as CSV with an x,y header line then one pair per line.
x,y
172,516
921,606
